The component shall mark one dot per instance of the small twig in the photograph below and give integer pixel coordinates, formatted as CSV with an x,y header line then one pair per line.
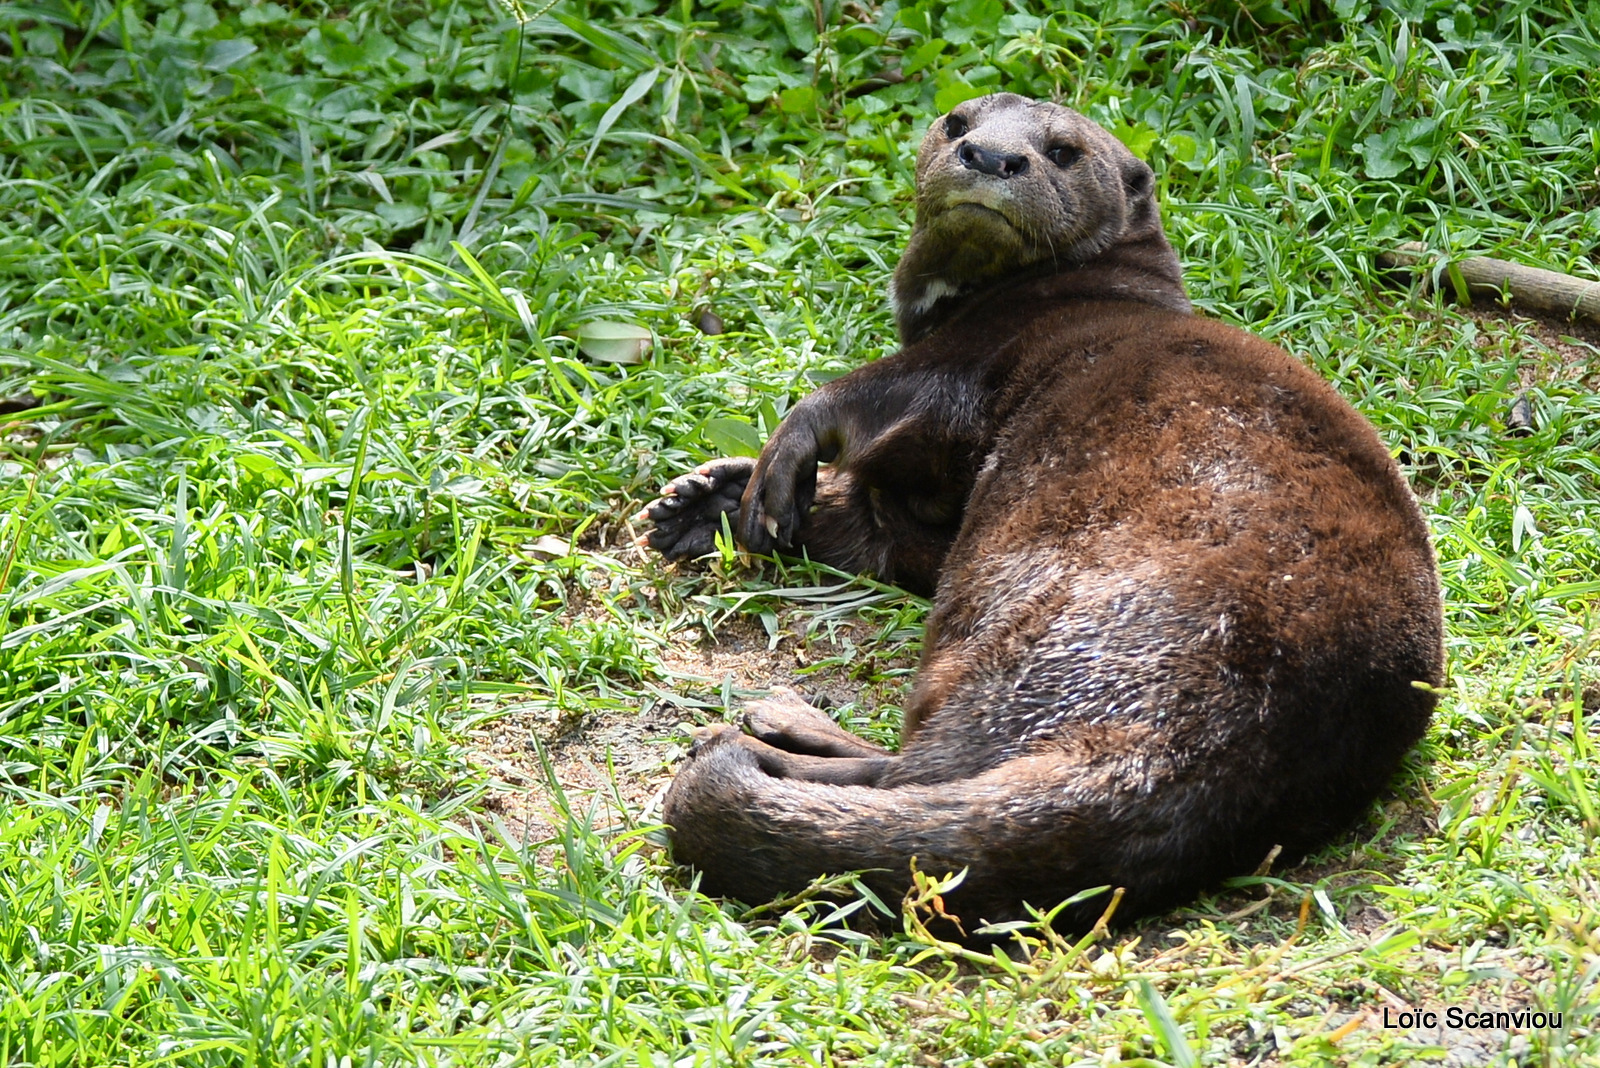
x,y
1265,867
1249,910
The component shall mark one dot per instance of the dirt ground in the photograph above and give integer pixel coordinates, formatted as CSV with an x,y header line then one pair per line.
x,y
1555,352
617,765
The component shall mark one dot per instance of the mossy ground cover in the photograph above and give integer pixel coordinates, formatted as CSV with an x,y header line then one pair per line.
x,y
315,485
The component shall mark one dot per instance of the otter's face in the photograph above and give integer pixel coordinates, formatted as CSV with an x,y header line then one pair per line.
x,y
1005,183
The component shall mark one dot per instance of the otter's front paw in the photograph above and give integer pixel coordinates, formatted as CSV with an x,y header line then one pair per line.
x,y
688,514
781,491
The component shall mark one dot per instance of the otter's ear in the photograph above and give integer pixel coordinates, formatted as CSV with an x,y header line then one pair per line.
x,y
1137,177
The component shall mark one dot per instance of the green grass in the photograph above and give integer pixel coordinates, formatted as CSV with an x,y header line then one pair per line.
x,y
289,394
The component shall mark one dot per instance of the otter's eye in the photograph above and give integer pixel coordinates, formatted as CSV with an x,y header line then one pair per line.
x,y
955,126
1064,155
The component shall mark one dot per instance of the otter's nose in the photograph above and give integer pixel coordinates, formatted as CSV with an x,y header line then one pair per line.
x,y
999,164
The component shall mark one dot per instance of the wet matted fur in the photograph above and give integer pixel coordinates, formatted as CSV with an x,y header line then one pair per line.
x,y
1185,607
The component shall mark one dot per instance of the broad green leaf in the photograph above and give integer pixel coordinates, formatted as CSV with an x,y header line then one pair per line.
x,y
760,87
264,467
954,93
220,55
970,20
802,99
1182,147
732,437
922,55
1382,154
614,342
1137,137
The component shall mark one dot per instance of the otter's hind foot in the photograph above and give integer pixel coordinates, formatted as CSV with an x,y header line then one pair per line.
x,y
785,721
703,738
688,514
723,746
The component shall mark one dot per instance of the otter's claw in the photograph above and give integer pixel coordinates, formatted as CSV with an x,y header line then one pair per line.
x,y
703,738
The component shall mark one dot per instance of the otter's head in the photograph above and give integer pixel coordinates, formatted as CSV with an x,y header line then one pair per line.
x,y
1006,184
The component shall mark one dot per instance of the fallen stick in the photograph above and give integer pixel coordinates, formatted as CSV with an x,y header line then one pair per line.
x,y
1549,291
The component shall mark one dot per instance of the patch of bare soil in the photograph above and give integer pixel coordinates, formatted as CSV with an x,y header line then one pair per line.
x,y
1560,353
614,768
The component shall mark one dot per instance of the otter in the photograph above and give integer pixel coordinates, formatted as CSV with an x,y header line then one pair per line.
x,y
1186,609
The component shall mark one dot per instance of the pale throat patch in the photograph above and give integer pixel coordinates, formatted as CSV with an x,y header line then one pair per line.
x,y
931,294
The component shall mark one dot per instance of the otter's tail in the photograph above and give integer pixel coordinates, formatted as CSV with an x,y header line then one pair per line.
x,y
1033,831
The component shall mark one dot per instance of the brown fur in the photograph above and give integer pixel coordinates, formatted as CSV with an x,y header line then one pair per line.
x,y
1184,598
